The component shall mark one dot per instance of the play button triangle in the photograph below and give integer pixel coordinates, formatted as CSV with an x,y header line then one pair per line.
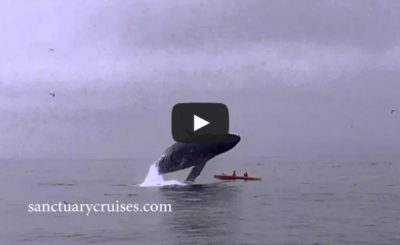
x,y
199,122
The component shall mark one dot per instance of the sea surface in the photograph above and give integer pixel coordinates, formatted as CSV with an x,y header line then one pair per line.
x,y
304,200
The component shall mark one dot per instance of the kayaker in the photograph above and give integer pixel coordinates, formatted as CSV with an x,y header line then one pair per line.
x,y
245,174
234,173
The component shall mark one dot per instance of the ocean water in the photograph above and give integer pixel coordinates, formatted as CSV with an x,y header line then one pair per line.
x,y
324,200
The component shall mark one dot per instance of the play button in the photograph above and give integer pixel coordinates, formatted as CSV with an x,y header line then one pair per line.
x,y
199,122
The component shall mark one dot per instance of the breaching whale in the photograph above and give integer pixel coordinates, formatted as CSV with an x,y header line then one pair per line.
x,y
185,155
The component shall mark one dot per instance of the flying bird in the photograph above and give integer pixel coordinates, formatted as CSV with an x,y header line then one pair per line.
x,y
392,111
51,49
52,94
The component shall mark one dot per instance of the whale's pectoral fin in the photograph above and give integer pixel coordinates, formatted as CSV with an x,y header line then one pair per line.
x,y
195,172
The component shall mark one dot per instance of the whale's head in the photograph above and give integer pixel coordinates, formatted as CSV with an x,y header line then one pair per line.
x,y
184,155
229,141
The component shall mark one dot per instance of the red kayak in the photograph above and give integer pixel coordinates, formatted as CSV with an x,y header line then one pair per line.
x,y
231,177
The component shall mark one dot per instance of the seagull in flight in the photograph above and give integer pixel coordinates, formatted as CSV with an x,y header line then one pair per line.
x,y
52,94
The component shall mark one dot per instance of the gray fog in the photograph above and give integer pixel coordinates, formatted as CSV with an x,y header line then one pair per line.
x,y
299,78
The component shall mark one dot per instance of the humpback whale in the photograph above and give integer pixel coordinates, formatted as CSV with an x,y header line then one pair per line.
x,y
185,155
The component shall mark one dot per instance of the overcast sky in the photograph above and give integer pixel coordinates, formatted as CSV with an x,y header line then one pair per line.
x,y
309,77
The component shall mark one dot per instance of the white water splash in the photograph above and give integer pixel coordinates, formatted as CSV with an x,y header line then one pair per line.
x,y
154,179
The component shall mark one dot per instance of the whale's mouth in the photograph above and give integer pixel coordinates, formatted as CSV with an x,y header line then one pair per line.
x,y
155,179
